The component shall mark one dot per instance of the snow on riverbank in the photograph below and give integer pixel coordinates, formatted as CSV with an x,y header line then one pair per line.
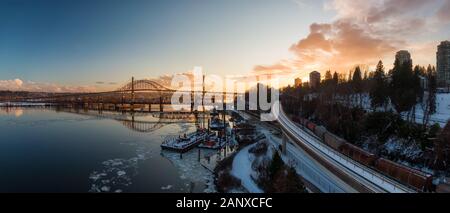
x,y
242,169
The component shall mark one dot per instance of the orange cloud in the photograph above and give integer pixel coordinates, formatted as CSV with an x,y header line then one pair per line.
x,y
365,31
20,85
272,69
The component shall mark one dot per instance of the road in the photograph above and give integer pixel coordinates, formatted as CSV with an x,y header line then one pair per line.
x,y
360,175
316,177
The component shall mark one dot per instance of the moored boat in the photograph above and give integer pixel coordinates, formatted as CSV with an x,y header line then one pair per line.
x,y
218,124
186,142
213,142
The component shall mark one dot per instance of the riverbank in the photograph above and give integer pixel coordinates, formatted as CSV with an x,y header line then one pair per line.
x,y
257,168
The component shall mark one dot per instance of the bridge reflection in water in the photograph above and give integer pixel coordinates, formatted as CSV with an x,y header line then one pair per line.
x,y
143,122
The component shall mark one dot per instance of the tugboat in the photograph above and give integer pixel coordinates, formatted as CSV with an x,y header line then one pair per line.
x,y
218,124
213,142
185,143
245,132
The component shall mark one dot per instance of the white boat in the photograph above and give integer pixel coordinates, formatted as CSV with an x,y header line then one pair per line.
x,y
218,124
186,142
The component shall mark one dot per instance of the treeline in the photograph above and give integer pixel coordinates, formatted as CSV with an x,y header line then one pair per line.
x,y
375,106
399,89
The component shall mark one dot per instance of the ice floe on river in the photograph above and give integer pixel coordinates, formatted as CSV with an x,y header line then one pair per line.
x,y
117,173
191,170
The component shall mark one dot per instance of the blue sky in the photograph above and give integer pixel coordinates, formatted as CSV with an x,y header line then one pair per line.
x,y
82,42
50,44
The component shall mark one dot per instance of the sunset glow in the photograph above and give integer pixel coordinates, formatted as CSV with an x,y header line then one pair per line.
x,y
74,47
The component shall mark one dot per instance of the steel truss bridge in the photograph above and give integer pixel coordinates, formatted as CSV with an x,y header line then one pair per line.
x,y
136,94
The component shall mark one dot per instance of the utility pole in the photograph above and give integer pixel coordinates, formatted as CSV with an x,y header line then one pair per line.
x,y
203,104
132,93
161,106
203,93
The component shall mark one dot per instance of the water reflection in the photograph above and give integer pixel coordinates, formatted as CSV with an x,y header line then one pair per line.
x,y
118,173
88,150
17,112
144,122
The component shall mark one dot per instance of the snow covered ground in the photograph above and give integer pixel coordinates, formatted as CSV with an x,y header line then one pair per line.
x,y
304,166
310,170
358,171
401,147
442,114
242,169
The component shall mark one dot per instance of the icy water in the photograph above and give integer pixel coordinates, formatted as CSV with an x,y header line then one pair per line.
x,y
48,150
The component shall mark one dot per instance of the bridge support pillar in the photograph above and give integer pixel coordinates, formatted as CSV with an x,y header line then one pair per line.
x,y
161,106
235,101
132,94
192,102
284,144
224,106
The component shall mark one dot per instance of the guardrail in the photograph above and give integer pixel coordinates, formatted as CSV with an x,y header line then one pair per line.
x,y
362,172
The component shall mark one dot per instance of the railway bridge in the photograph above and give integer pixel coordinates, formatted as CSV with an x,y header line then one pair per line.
x,y
134,95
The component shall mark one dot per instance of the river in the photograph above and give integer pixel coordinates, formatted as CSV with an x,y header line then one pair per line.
x,y
50,150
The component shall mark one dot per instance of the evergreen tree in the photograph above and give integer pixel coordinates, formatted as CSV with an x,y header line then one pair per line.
x,y
286,181
275,165
357,75
430,103
357,84
328,76
349,76
418,90
402,89
418,73
378,91
335,78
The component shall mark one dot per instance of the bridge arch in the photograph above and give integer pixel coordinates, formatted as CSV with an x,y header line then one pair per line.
x,y
142,126
144,84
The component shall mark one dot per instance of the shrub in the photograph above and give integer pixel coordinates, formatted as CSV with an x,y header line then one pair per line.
x,y
287,181
259,149
225,181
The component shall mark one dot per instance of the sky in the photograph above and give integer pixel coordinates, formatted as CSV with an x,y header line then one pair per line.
x,y
95,45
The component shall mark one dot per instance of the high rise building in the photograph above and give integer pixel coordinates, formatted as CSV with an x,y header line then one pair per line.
x,y
403,56
314,79
443,64
298,82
